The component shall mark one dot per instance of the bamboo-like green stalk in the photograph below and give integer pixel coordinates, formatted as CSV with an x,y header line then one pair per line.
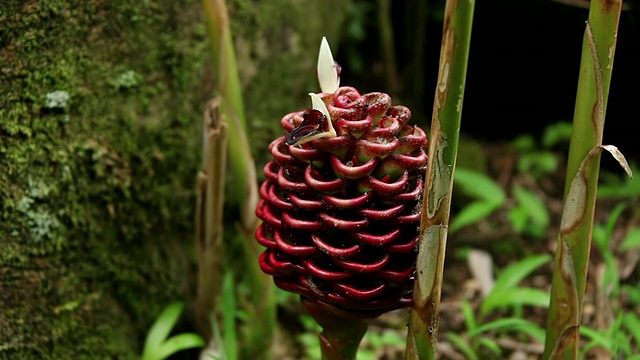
x,y
443,150
243,190
574,240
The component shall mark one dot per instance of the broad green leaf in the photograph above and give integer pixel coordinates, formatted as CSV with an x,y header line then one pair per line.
x,y
511,275
518,324
515,296
392,338
473,213
160,330
491,345
518,217
479,186
535,207
524,143
559,132
623,345
463,345
632,323
467,314
632,240
596,338
633,292
178,343
504,293
537,163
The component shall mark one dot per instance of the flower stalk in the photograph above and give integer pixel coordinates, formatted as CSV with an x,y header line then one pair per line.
x,y
574,240
443,149
341,335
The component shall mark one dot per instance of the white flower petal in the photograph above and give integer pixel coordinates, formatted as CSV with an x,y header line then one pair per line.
x,y
318,104
327,72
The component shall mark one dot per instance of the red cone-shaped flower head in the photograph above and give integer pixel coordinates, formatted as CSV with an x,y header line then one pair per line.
x,y
341,201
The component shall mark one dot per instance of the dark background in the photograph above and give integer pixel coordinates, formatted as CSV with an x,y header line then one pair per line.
x,y
523,66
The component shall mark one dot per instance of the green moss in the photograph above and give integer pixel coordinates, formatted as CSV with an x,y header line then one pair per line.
x,y
98,112
100,118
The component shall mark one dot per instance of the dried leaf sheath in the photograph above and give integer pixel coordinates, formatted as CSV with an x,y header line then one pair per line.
x,y
210,200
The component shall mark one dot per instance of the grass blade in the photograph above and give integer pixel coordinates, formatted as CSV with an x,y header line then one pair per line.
x,y
515,273
178,343
463,345
512,297
523,325
161,328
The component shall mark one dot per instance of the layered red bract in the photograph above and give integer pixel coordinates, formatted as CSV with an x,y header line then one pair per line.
x,y
341,214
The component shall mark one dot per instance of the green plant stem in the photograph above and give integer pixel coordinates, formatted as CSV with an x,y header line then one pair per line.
x,y
242,190
341,335
574,241
443,149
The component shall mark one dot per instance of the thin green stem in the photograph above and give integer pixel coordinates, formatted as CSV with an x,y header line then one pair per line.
x,y
443,150
242,190
574,241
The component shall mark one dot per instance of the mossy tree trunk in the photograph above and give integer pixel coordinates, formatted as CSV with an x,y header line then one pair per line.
x,y
100,120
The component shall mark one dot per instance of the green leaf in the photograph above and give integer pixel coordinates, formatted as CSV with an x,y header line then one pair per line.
x,y
511,275
515,296
518,217
178,343
491,345
462,345
161,329
596,338
473,213
611,186
537,163
535,207
504,293
602,234
559,132
479,186
632,240
467,314
523,325
392,338
633,293
524,143
228,313
632,323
